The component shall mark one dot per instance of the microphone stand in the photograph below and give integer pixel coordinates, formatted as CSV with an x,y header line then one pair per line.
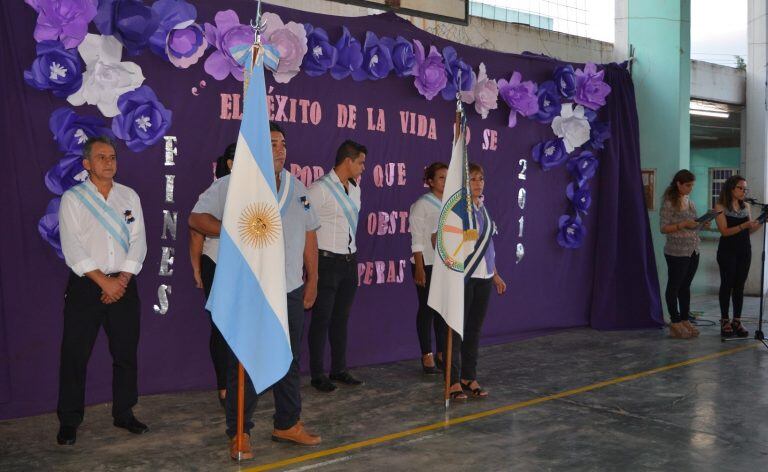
x,y
759,335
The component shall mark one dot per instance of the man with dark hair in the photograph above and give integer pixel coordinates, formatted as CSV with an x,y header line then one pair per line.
x,y
299,226
336,197
103,241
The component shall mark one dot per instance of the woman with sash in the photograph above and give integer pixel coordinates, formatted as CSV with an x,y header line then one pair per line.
x,y
422,220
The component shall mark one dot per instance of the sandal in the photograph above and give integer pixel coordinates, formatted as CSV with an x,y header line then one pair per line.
x,y
738,328
428,369
476,392
726,330
458,394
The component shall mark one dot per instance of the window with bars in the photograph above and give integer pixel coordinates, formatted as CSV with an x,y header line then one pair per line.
x,y
717,178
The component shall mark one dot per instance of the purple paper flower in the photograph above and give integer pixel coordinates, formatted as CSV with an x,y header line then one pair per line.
x,y
65,20
321,55
143,120
350,55
290,40
590,88
130,21
403,57
485,94
56,69
598,134
570,234
429,71
590,114
227,34
550,153
71,130
48,226
67,173
520,96
461,78
185,45
579,195
549,102
583,167
169,14
377,59
565,80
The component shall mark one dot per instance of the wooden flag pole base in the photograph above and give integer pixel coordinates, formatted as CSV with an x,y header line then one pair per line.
x,y
240,410
447,366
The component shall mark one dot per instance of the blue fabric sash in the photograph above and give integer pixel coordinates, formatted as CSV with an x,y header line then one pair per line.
x,y
431,198
285,193
104,214
345,202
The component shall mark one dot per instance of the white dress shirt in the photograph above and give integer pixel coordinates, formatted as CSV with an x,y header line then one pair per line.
x,y
86,243
335,234
422,221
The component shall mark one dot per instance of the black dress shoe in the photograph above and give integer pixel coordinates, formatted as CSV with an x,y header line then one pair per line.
x,y
67,435
323,384
132,424
346,378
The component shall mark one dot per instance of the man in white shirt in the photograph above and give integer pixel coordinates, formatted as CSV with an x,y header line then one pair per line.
x,y
103,241
336,198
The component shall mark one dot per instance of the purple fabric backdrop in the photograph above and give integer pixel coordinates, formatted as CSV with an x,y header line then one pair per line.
x,y
610,282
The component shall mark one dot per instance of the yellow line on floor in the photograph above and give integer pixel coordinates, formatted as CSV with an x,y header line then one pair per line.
x,y
494,411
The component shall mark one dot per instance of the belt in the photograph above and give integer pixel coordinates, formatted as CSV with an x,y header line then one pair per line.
x,y
333,255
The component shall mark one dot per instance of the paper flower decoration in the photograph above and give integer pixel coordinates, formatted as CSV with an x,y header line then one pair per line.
x,y
105,77
572,126
67,173
130,21
570,234
63,20
403,57
224,35
565,80
520,96
579,195
550,153
56,69
485,94
590,88
429,71
48,226
143,120
583,167
321,55
349,55
71,130
169,13
460,76
290,40
549,102
377,59
598,134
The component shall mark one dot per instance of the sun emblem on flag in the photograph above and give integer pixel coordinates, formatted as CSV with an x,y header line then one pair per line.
x,y
259,225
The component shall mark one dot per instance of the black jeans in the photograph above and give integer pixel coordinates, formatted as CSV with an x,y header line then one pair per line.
x,y
286,391
734,269
427,318
680,273
477,292
84,314
216,343
336,287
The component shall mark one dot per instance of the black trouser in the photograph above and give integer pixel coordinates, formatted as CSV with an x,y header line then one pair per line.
x,y
84,314
427,317
216,343
680,272
477,292
734,269
336,287
286,391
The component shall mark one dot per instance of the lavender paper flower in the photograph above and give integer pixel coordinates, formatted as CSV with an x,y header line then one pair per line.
x,y
579,195
598,134
67,173
56,69
429,71
290,40
130,21
485,94
403,57
461,78
71,130
350,55
565,80
185,44
583,167
169,13
226,34
65,20
520,96
143,120
321,54
590,88
570,234
48,226
549,102
377,59
550,153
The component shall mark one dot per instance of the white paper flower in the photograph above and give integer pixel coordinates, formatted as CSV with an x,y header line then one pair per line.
x,y
105,77
572,126
484,95
290,39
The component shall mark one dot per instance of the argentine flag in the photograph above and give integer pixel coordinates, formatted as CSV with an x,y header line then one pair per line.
x,y
248,299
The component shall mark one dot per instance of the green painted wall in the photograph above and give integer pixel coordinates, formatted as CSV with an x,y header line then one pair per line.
x,y
701,161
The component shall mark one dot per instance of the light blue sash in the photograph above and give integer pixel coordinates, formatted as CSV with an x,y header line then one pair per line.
x,y
431,198
285,193
104,214
481,246
345,202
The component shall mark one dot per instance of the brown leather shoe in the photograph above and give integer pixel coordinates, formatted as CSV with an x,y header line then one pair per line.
x,y
246,453
296,434
691,328
678,331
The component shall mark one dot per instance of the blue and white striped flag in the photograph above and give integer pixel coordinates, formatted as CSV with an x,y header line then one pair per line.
x,y
248,299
